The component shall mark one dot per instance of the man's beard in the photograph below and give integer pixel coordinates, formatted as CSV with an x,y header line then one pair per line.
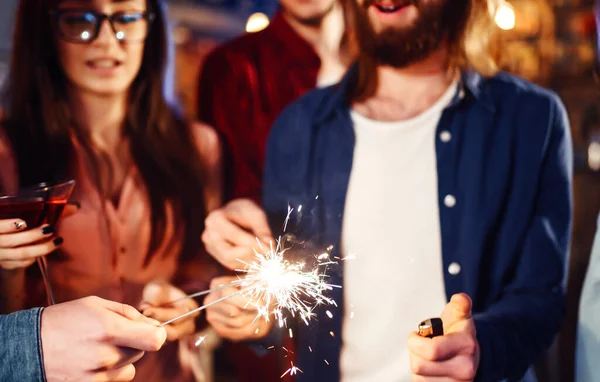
x,y
401,47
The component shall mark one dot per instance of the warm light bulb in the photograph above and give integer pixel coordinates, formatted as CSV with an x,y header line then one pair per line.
x,y
505,17
257,22
594,156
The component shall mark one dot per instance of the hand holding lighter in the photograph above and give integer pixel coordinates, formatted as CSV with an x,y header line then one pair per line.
x,y
430,328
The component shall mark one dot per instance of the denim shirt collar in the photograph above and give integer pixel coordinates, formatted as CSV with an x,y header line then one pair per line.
x,y
471,86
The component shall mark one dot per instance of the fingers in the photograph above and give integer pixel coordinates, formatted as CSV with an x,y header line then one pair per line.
x,y
232,313
136,335
20,247
231,231
130,328
125,310
181,328
158,293
127,356
157,298
162,294
126,373
164,314
453,356
12,225
458,309
238,321
251,329
29,252
458,368
249,215
21,238
444,347
227,254
16,264
234,318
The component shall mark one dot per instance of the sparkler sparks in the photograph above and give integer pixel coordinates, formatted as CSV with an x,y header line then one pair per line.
x,y
200,341
293,370
274,285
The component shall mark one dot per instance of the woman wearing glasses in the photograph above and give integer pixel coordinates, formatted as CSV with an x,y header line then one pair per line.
x,y
87,99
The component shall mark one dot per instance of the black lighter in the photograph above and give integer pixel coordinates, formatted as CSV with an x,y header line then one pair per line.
x,y
430,328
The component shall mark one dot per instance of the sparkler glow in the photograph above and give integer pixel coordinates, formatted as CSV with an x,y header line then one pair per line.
x,y
293,370
200,341
274,284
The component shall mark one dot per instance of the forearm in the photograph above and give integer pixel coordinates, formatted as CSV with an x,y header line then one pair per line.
x,y
514,333
21,346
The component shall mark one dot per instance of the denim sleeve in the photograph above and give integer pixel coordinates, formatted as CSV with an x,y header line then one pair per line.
x,y
20,347
515,331
588,330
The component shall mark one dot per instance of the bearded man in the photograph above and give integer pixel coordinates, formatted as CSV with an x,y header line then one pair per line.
x,y
449,183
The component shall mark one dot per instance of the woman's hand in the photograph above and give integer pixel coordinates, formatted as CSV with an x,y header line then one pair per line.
x,y
20,247
155,304
233,318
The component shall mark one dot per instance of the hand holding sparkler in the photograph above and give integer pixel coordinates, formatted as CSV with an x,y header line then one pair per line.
x,y
163,301
92,339
231,232
272,286
453,356
234,318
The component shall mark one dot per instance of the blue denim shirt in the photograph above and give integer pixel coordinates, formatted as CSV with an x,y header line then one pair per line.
x,y
588,330
508,167
20,347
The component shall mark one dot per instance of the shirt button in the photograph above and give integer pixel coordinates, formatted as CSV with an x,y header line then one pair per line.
x,y
445,136
454,269
449,201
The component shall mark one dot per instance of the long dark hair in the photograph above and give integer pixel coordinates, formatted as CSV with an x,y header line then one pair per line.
x,y
38,122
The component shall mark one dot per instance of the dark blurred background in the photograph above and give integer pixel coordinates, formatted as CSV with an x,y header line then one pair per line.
x,y
551,43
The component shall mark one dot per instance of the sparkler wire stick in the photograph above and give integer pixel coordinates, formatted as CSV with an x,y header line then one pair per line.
x,y
202,308
279,284
204,292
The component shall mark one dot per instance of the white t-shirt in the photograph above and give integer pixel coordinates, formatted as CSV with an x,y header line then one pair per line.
x,y
391,227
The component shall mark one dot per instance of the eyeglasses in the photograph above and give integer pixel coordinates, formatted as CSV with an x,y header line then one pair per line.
x,y
83,26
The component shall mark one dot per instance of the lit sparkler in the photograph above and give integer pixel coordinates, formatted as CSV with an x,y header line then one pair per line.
x,y
274,284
